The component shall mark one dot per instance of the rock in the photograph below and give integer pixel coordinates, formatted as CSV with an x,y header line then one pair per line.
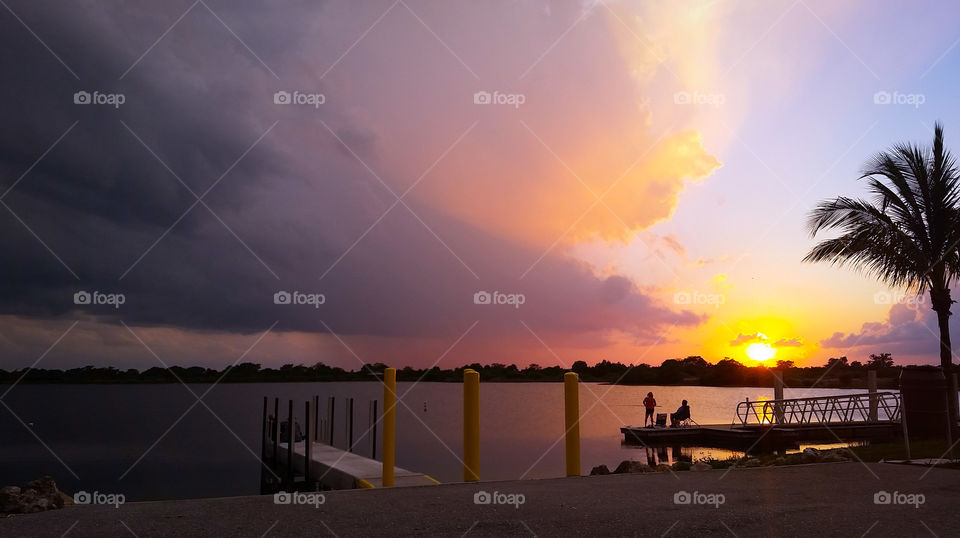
x,y
35,496
810,455
794,459
833,457
9,498
783,461
700,466
46,488
628,466
752,462
599,470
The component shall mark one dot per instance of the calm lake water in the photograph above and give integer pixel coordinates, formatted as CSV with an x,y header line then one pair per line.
x,y
155,442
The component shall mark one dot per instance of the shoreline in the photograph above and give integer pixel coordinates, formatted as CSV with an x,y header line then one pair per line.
x,y
835,499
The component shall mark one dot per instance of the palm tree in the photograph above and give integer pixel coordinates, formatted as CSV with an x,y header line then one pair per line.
x,y
908,235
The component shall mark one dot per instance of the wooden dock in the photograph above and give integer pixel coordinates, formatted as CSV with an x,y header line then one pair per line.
x,y
759,437
294,460
334,468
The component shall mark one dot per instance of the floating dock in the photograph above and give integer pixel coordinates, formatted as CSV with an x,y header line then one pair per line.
x,y
757,437
334,468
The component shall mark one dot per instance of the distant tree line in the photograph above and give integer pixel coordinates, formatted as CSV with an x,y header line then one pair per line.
x,y
693,370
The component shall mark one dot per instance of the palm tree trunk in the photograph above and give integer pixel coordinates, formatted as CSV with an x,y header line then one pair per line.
x,y
941,305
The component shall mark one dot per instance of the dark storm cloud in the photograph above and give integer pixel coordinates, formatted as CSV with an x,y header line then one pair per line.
x,y
289,202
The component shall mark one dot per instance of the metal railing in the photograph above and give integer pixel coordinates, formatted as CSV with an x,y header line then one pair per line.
x,y
842,409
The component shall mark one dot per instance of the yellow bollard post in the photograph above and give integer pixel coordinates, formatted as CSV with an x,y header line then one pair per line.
x,y
471,425
389,425
571,413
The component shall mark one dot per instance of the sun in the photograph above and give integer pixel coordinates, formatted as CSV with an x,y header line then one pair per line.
x,y
760,351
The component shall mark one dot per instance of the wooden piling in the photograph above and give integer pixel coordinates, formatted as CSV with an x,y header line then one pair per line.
x,y
306,443
276,430
389,425
350,425
263,433
373,429
316,418
872,389
778,396
571,414
471,425
331,404
290,438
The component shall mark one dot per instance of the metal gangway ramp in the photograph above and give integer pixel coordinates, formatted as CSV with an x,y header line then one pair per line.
x,y
865,408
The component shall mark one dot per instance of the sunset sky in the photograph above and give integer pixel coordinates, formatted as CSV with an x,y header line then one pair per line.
x,y
644,183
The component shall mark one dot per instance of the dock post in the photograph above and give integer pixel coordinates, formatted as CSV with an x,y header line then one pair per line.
x,y
777,396
906,435
571,412
316,417
872,389
389,425
373,429
276,430
263,433
471,425
349,424
952,401
263,450
331,404
290,444
306,443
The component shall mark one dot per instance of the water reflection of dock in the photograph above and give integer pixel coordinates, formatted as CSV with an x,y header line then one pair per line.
x,y
759,437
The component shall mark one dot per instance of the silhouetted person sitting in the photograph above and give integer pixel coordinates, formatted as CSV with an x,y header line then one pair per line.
x,y
683,413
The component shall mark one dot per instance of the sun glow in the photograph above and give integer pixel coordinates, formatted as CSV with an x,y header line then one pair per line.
x,y
760,351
